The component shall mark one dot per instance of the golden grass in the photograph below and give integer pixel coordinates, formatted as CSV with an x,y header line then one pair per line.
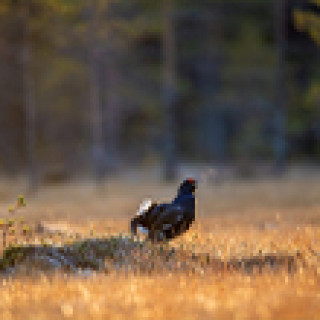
x,y
218,270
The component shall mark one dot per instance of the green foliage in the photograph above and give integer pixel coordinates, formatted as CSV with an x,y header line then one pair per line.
x,y
25,229
236,38
308,111
312,98
251,144
20,201
308,21
13,255
11,222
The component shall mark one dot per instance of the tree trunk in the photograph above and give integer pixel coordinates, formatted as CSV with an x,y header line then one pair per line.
x,y
280,112
29,102
169,90
98,150
112,112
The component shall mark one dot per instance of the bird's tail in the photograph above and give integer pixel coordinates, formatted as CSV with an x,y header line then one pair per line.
x,y
134,225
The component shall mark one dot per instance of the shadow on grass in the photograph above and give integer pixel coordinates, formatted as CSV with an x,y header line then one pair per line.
x,y
117,254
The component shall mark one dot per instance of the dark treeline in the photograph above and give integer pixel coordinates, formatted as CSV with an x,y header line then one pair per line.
x,y
98,85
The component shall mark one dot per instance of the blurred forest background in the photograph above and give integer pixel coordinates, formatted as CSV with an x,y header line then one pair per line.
x,y
94,88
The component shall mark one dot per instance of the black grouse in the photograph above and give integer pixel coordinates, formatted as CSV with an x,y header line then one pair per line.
x,y
167,220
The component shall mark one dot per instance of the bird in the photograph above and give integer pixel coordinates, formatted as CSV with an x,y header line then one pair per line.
x,y
165,221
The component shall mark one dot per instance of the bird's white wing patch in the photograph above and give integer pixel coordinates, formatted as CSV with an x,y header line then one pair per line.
x,y
180,217
143,230
144,206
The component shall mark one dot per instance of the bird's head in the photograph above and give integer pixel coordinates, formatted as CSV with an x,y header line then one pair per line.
x,y
188,187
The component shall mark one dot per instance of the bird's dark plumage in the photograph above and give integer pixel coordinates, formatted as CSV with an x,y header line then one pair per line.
x,y
167,220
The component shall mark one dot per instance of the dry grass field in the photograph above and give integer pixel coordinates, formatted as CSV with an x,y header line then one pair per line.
x,y
254,253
